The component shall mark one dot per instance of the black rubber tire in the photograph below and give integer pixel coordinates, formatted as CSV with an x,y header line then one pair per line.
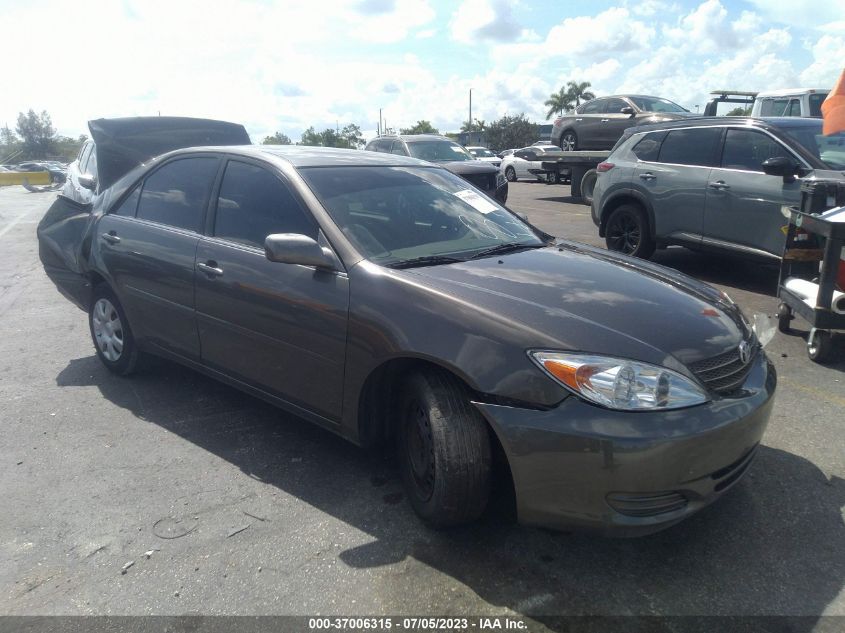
x,y
444,450
573,136
784,318
819,345
128,360
588,185
628,232
510,174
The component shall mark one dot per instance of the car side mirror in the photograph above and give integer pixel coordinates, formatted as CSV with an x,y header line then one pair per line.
x,y
293,248
781,166
627,110
87,181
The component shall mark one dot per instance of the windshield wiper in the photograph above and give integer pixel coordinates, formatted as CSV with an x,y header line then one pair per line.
x,y
426,260
507,247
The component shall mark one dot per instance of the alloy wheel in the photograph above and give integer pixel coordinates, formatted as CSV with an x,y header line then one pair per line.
x,y
624,234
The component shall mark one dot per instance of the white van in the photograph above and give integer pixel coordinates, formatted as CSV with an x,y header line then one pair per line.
x,y
804,102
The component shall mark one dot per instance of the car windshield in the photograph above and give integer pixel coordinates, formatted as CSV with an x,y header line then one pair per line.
x,y
438,151
650,104
482,153
396,214
829,149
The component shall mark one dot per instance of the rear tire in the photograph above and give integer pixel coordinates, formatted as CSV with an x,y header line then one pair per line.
x,y
784,318
627,232
510,174
111,333
569,141
819,345
588,185
444,450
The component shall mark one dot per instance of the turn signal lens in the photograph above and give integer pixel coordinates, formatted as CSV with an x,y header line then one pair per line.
x,y
618,383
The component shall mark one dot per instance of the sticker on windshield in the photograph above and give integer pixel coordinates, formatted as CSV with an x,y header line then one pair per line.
x,y
475,201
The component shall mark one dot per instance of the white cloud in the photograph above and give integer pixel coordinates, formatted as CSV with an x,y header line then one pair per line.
x,y
487,20
828,62
610,32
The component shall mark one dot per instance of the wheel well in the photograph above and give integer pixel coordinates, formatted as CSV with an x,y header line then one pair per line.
x,y
615,203
381,395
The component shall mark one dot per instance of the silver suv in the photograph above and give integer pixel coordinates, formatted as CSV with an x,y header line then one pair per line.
x,y
721,183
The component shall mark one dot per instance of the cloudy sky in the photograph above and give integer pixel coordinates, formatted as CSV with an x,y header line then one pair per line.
x,y
287,64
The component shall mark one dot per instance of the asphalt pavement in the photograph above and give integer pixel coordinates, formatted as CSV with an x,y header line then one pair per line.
x,y
169,493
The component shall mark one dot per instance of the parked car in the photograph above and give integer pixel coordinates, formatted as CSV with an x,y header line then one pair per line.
x,y
445,152
803,102
722,183
517,165
482,153
141,138
597,124
57,174
384,299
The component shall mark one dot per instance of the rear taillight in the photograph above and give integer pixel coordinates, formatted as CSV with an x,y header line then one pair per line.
x,y
602,167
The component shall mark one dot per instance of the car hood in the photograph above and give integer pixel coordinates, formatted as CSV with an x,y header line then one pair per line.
x,y
468,167
581,298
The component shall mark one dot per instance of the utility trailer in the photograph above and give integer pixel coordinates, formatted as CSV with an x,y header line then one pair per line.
x,y
581,167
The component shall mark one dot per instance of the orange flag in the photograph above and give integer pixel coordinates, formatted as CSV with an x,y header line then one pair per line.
x,y
833,108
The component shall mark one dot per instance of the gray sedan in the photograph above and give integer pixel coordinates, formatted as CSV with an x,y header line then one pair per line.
x,y
389,301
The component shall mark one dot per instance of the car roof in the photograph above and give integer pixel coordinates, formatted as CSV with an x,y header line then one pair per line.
x,y
307,156
709,121
411,138
791,92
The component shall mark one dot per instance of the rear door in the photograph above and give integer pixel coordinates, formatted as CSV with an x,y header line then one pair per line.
x,y
614,122
675,182
746,207
148,245
587,125
278,327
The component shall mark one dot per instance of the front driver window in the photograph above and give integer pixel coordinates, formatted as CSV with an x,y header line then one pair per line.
x,y
747,149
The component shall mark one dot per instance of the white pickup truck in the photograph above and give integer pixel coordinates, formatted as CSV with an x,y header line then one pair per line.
x,y
803,102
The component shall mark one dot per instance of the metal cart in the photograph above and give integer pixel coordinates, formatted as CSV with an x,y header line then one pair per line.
x,y
809,240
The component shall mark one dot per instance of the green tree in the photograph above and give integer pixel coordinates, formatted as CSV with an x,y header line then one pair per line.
x,y
558,102
478,125
740,111
37,134
511,131
9,143
351,135
277,139
310,137
578,92
421,127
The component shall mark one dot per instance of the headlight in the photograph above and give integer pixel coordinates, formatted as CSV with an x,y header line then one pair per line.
x,y
618,383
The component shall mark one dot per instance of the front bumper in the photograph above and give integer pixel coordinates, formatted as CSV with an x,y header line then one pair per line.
x,y
628,474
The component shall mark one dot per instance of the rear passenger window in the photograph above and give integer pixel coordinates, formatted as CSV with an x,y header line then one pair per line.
x,y
592,107
177,193
129,205
649,146
254,203
747,149
696,146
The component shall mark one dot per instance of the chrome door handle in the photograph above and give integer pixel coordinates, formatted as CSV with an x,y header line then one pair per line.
x,y
111,238
647,176
210,269
579,119
719,185
605,120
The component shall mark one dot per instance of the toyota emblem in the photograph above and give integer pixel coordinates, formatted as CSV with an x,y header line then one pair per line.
x,y
744,350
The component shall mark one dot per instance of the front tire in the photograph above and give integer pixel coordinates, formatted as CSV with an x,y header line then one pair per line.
x,y
444,450
819,345
510,174
628,232
111,333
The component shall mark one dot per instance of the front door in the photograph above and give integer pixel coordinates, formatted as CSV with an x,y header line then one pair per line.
x,y
278,327
746,208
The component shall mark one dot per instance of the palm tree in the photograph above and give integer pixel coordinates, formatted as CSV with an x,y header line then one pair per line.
x,y
578,92
558,102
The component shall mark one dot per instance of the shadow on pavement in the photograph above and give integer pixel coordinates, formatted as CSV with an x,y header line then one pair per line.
x,y
774,546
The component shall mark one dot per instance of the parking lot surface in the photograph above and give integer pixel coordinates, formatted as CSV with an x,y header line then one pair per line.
x,y
225,505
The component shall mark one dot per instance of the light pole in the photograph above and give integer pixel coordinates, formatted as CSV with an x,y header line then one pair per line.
x,y
469,128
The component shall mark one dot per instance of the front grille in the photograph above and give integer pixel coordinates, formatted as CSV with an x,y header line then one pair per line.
x,y
639,505
485,182
726,372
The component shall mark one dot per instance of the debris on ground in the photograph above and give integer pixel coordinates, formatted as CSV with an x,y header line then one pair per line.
x,y
149,552
170,528
126,567
254,516
237,531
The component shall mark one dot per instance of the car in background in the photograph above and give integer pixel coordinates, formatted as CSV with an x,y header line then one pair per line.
x,y
141,138
57,174
482,153
803,102
522,161
378,297
447,153
720,183
597,124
